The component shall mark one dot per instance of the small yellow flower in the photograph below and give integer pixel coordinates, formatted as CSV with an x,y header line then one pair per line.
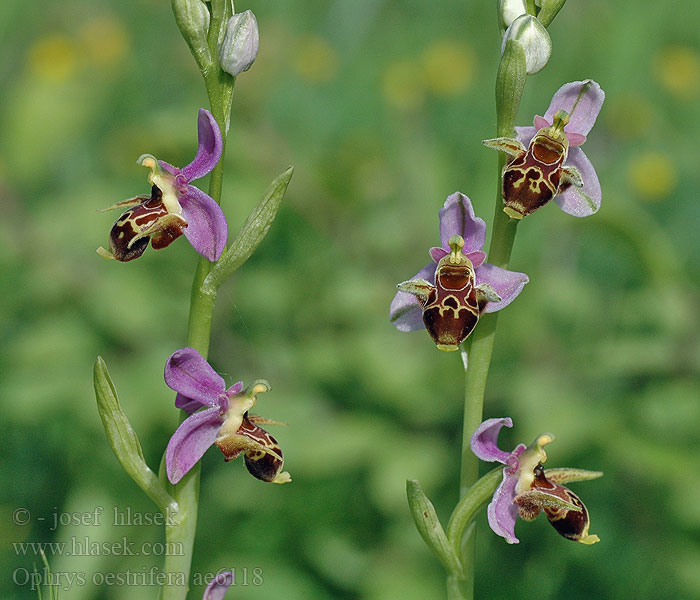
x,y
448,67
104,41
53,58
316,61
677,69
402,86
652,176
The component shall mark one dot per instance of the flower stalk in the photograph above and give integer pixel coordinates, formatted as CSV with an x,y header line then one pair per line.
x,y
510,82
219,86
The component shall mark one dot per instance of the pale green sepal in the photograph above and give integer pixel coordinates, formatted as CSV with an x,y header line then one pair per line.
x,y
563,474
192,18
510,81
549,10
124,440
429,526
477,495
251,234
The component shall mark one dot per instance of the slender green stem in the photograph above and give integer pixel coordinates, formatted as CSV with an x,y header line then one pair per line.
x,y
181,536
510,81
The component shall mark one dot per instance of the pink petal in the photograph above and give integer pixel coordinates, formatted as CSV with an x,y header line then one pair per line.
x,y
508,284
405,311
438,253
208,149
502,511
525,134
457,218
190,375
582,100
187,404
541,122
206,229
484,440
477,258
190,441
169,168
581,202
217,587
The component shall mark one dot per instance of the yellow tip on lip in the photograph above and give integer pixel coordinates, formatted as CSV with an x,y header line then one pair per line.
x,y
511,213
447,347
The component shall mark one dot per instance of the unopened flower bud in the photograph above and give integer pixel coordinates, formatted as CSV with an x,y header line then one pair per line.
x,y
527,31
509,10
240,45
192,18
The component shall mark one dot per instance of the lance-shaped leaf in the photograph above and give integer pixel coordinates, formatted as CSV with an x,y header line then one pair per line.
x,y
430,528
124,440
251,234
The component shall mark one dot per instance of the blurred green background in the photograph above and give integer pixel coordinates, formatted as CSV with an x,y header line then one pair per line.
x,y
381,106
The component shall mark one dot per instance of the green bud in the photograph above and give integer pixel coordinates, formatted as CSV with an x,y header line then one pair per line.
x,y
192,18
240,45
430,528
527,31
508,11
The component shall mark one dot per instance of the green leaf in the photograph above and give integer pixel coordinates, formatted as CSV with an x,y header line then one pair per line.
x,y
465,511
124,440
430,528
251,234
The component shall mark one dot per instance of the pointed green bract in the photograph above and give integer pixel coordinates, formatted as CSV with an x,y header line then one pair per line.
x,y
124,441
192,18
251,234
565,474
429,526
549,10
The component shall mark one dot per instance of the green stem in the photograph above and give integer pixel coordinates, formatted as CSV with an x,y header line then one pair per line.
x,y
181,536
510,82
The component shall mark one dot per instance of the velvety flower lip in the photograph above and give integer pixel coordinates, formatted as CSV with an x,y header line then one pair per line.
x,y
224,420
527,489
582,100
216,590
175,207
457,218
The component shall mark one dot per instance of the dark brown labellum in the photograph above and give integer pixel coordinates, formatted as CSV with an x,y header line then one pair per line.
x,y
571,524
451,311
533,178
138,220
263,455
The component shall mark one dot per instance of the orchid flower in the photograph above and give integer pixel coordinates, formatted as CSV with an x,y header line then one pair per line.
x,y
216,590
527,488
225,420
174,206
448,295
547,161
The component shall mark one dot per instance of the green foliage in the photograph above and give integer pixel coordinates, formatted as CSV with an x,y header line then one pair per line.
x,y
600,348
